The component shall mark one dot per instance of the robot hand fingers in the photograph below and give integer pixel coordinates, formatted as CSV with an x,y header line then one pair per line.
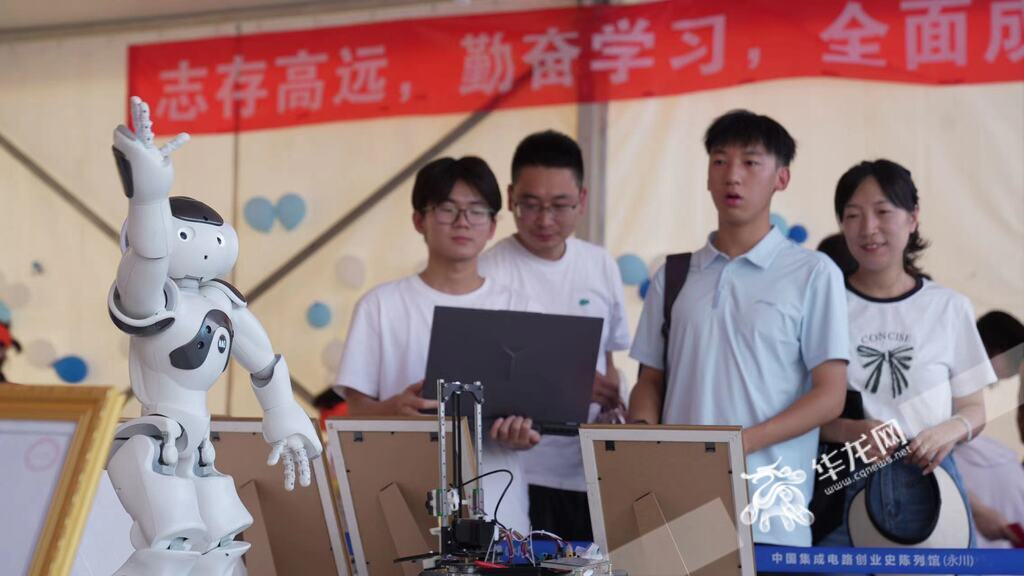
x,y
289,470
136,113
141,122
304,474
122,135
275,453
175,143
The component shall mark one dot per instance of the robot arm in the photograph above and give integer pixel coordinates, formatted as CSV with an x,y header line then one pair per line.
x,y
146,175
285,424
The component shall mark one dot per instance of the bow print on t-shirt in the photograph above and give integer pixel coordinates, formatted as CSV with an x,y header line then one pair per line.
x,y
898,360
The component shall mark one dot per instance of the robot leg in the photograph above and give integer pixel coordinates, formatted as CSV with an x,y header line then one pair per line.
x,y
165,510
150,562
222,561
224,514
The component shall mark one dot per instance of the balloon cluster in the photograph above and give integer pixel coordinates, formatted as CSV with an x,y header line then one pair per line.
x,y
260,213
70,368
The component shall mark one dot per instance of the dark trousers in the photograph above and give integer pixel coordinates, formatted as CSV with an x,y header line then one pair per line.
x,y
563,512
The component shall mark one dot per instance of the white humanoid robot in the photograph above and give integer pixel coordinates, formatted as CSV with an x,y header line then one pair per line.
x,y
184,324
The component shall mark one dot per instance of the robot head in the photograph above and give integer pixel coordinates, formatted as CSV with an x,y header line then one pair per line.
x,y
203,245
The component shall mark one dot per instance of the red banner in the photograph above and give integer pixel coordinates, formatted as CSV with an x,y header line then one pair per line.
x,y
596,54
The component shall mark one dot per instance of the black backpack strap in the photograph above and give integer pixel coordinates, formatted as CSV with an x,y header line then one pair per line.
x,y
677,266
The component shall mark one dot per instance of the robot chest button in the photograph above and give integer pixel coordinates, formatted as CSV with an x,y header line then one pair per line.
x,y
222,343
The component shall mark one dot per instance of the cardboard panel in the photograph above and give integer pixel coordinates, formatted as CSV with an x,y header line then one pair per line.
x,y
678,516
403,460
259,560
294,522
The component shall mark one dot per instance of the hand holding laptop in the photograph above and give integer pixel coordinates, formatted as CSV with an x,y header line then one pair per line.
x,y
515,433
409,402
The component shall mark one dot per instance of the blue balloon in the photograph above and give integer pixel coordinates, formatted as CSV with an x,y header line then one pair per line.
x,y
5,313
259,213
798,234
632,269
71,369
318,315
779,222
291,209
644,288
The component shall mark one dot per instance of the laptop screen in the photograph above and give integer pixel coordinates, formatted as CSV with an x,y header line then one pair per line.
x,y
535,365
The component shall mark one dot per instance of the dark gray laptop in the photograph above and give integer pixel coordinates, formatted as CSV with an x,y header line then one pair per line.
x,y
535,365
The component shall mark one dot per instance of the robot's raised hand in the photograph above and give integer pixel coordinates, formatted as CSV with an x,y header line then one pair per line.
x,y
146,171
293,450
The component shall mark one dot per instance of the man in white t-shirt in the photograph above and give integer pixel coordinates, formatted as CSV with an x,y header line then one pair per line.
x,y
758,335
385,357
566,276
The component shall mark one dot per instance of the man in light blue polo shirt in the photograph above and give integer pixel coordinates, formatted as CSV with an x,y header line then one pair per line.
x,y
758,334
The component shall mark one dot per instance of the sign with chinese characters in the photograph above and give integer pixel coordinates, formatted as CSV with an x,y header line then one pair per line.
x,y
592,54
889,560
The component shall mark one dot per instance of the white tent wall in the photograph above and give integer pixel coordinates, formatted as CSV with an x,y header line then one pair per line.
x,y
62,96
963,144
60,101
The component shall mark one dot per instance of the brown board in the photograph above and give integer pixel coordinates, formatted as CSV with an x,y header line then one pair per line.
x,y
399,456
669,504
298,527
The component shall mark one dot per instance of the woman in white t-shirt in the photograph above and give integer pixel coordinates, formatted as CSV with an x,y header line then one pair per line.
x,y
916,357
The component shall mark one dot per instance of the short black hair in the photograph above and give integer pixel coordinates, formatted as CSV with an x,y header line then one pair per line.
x,y
743,127
548,149
435,181
1000,332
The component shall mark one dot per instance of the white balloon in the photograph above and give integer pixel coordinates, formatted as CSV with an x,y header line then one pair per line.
x,y
331,354
350,271
17,295
40,353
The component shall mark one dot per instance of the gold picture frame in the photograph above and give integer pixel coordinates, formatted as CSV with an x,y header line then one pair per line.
x,y
89,415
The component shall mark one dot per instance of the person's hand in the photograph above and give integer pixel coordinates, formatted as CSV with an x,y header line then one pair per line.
x,y
932,445
991,524
606,392
409,402
864,428
613,416
751,440
515,433
146,170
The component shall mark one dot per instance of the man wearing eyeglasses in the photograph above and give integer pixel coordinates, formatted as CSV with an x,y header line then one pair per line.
x,y
385,358
566,276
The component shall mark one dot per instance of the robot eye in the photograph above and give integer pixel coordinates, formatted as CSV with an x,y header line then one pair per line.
x,y
185,234
220,239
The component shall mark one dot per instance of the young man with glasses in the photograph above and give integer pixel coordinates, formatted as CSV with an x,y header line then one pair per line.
x,y
566,276
385,358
